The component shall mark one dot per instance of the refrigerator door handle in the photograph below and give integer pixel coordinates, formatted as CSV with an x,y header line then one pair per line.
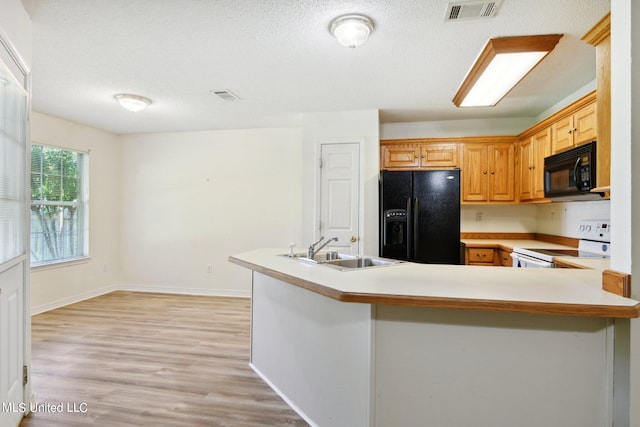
x,y
416,229
409,231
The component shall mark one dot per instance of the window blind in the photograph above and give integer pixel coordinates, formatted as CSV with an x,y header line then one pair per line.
x,y
13,116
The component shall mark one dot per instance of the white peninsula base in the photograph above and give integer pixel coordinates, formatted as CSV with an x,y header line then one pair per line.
x,y
356,364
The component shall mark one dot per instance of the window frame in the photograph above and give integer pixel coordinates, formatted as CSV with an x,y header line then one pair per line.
x,y
82,205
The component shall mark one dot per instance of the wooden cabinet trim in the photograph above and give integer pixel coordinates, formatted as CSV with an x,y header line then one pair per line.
x,y
498,236
617,283
599,32
445,140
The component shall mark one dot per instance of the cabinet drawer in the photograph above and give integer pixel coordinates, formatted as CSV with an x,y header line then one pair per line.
x,y
481,255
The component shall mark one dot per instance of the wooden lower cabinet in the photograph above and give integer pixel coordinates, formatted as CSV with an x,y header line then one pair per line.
x,y
488,256
481,256
505,258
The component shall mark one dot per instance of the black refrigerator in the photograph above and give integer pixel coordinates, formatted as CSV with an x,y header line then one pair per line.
x,y
420,216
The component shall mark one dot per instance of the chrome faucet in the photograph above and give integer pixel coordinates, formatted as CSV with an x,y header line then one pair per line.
x,y
312,248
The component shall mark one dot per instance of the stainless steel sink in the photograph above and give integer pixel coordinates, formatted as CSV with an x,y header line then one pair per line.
x,y
343,262
355,263
321,257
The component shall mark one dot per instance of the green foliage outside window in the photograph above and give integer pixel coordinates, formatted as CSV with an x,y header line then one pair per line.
x,y
56,204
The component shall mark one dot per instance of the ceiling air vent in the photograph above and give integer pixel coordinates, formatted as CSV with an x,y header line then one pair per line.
x,y
225,95
472,10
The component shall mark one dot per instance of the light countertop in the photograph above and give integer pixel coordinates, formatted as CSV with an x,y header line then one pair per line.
x,y
575,292
599,264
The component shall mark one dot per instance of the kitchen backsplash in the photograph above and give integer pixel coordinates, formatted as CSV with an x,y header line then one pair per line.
x,y
498,218
558,219
562,219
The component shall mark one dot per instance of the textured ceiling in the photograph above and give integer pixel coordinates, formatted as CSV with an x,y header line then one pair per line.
x,y
279,58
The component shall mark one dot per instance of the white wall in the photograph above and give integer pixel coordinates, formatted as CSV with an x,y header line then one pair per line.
x,y
51,287
456,128
344,126
189,200
589,87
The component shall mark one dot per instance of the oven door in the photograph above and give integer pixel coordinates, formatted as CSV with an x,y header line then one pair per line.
x,y
523,261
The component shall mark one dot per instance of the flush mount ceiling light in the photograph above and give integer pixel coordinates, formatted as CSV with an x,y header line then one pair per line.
x,y
132,102
351,30
500,66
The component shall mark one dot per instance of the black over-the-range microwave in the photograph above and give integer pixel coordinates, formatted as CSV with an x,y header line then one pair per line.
x,y
571,174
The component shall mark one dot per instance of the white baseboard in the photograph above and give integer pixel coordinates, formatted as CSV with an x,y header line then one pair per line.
x,y
71,300
185,291
139,288
283,396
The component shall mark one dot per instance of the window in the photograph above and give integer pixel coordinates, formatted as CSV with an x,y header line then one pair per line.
x,y
59,205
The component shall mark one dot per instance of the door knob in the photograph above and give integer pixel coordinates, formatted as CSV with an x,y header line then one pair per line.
x,y
354,239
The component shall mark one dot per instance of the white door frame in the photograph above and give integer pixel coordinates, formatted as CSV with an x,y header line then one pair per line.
x,y
317,181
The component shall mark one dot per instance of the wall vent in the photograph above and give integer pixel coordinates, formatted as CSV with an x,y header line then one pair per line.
x,y
457,11
225,95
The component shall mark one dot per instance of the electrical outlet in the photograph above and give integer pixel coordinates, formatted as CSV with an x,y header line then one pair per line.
x,y
478,216
209,268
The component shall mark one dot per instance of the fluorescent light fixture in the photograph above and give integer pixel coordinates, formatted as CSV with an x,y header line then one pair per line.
x,y
501,65
351,30
132,102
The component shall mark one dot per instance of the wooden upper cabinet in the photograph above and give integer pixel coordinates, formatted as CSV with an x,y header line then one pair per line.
x,y
475,166
419,155
525,167
488,172
400,156
585,123
541,149
532,152
501,172
439,155
578,128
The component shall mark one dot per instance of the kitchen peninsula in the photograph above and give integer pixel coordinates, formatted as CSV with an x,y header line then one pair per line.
x,y
415,344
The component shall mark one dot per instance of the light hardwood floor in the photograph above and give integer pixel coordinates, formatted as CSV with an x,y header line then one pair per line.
x,y
143,359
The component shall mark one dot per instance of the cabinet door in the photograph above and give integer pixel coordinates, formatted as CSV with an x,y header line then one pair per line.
x,y
439,155
501,172
525,175
562,135
585,124
401,156
474,173
505,258
541,149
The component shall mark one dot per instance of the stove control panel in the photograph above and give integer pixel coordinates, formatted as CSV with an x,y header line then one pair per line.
x,y
597,230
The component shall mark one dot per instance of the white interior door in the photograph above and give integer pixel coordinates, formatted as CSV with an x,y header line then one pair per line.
x,y
340,195
11,345
14,256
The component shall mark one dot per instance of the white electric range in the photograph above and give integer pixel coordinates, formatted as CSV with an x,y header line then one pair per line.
x,y
594,243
